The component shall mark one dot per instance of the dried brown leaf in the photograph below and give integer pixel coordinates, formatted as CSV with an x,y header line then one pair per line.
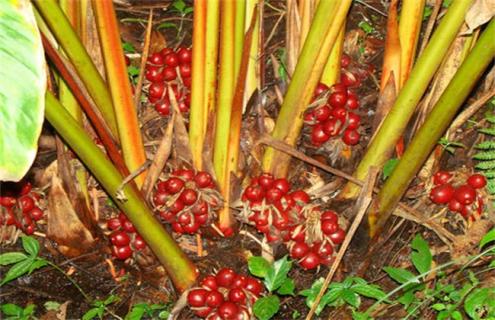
x,y
480,12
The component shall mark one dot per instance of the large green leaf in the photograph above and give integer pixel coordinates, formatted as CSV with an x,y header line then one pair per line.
x,y
22,88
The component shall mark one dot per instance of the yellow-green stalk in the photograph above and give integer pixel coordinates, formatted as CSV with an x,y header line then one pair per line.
x,y
239,26
331,73
253,64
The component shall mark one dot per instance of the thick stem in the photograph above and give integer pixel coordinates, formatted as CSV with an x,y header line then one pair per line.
x,y
182,272
435,125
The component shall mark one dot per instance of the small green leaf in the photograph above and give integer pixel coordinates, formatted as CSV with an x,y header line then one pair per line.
x,y
179,5
188,10
167,25
265,308
438,306
31,245
389,167
11,309
487,238
111,299
91,313
133,71
475,301
277,274
287,287
258,266
360,316
296,314
11,257
136,312
351,297
17,270
456,315
38,263
52,305
128,47
369,291
330,297
401,275
421,256
366,27
28,310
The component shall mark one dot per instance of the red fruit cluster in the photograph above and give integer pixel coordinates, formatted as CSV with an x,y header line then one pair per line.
x,y
21,208
168,66
123,237
225,296
338,117
286,216
187,200
461,198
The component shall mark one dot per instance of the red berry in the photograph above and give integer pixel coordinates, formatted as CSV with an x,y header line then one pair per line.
x,y
309,117
253,286
26,203
265,180
338,236
197,297
163,107
254,193
329,215
237,295
157,90
184,218
300,197
239,281
169,73
228,310
36,213
310,261
353,121
273,195
339,87
177,227
156,59
328,227
318,135
122,253
465,194
455,206
282,184
166,51
139,243
214,299
225,277
185,70
187,174
200,208
120,238
204,312
172,59
29,229
26,188
325,250
113,224
160,198
345,60
332,127
320,88
442,177
351,137
322,113
349,79
442,194
167,216
187,82
127,60
209,282
352,101
183,107
338,99
339,113
299,250
128,226
477,181
154,74
185,55
192,227
7,201
174,185
188,196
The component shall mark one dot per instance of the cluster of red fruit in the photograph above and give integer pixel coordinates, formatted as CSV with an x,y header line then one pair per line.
x,y
20,208
461,198
124,238
286,216
225,296
338,117
187,200
168,66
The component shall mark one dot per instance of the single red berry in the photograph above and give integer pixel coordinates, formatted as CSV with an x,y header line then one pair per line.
x,y
185,55
225,277
177,228
127,60
254,286
239,281
192,227
310,261
200,208
128,226
185,70
184,218
265,180
204,312
157,90
228,310
237,295
339,113
167,216
26,203
166,51
187,82
338,99
156,59
353,121
202,219
324,250
169,73
299,250
309,117
300,197
349,79
7,201
320,88
172,59
26,188
36,213
254,193
352,101
139,243
329,215
122,253
209,282
188,196
338,236
345,60
160,198
332,127
174,185
465,194
477,181
186,174
273,195
120,238
442,177
183,107
442,194
282,184
339,87
328,227
318,135
163,107
214,299
113,224
154,74
322,113
455,206
351,137
197,297
29,229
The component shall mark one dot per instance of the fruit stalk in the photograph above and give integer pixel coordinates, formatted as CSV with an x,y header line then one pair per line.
x,y
182,272
69,41
396,121
435,125
308,71
331,72
120,88
252,75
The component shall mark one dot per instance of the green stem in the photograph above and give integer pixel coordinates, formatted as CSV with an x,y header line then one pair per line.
x,y
437,122
70,42
180,269
54,266
396,121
